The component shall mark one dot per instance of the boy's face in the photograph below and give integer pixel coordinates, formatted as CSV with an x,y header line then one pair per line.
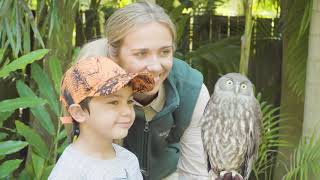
x,y
111,116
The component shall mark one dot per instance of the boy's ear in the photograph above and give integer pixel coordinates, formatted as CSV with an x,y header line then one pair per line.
x,y
77,113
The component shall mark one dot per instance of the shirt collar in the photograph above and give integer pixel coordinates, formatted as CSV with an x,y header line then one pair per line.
x,y
158,102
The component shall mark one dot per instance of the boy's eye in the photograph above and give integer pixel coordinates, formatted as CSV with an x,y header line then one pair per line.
x,y
113,102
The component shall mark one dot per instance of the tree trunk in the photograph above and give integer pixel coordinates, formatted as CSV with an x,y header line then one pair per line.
x,y
246,39
291,104
311,122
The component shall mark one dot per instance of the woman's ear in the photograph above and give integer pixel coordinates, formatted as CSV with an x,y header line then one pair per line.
x,y
77,113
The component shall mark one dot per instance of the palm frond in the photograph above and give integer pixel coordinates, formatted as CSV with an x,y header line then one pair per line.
x,y
305,161
270,138
223,55
296,29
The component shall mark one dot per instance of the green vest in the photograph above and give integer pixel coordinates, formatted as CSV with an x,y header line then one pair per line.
x,y
156,143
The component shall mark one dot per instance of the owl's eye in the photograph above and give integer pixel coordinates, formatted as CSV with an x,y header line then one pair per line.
x,y
243,86
229,82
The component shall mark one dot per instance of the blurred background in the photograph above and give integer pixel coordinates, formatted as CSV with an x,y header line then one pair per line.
x,y
39,39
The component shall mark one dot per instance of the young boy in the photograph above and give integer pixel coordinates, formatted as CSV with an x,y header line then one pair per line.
x,y
98,95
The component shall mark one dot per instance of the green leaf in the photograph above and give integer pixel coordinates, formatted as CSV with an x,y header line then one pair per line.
x,y
38,165
63,146
10,35
45,87
1,54
9,147
17,29
56,72
24,175
3,135
10,105
47,172
26,38
5,7
41,114
22,61
62,135
33,139
27,173
8,167
32,22
5,115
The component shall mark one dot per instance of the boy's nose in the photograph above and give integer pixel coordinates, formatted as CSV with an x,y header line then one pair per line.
x,y
126,110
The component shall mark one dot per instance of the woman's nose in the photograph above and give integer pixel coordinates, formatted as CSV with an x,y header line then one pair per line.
x,y
154,65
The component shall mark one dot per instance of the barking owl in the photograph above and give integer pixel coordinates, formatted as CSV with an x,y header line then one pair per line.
x,y
231,127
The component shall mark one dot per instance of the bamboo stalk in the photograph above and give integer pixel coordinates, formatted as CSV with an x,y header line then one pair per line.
x,y
246,39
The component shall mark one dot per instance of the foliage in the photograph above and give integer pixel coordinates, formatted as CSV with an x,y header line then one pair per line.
x,y
24,28
17,20
305,160
222,55
297,28
21,62
43,141
270,140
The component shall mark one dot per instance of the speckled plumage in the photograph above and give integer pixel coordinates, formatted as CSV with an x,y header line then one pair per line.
x,y
231,126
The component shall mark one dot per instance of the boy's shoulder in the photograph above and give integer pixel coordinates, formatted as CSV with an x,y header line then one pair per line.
x,y
124,153
65,167
74,165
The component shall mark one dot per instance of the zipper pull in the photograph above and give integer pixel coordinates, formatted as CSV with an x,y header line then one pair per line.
x,y
146,127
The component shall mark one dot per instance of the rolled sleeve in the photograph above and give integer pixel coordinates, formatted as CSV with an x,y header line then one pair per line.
x,y
192,163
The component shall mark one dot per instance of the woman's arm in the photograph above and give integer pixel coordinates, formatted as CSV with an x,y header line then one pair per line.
x,y
192,163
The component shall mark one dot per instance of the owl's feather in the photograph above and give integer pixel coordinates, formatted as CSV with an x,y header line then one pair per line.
x,y
231,127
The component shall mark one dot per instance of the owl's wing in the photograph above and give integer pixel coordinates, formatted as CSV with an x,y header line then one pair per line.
x,y
254,140
207,132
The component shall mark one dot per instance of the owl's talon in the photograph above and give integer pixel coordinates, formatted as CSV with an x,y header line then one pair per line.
x,y
236,175
213,175
223,173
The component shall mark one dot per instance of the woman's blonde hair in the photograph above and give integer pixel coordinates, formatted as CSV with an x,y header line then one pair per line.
x,y
92,49
123,20
120,23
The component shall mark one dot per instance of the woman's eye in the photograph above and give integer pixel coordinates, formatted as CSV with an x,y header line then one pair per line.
x,y
131,101
113,102
165,53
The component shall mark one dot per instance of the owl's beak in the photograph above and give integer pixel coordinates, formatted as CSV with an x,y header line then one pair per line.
x,y
237,89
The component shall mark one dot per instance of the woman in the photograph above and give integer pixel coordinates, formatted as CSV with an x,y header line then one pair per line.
x,y
141,37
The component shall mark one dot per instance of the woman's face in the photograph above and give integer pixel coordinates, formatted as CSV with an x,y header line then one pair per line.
x,y
148,47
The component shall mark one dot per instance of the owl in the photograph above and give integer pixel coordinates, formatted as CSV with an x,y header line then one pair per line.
x,y
230,127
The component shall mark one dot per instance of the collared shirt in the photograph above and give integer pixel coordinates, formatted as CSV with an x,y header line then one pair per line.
x,y
154,106
192,163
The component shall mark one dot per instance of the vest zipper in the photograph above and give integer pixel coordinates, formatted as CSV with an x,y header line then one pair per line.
x,y
145,150
146,126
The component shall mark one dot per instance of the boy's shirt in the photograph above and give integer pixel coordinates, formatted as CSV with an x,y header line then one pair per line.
x,y
73,164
